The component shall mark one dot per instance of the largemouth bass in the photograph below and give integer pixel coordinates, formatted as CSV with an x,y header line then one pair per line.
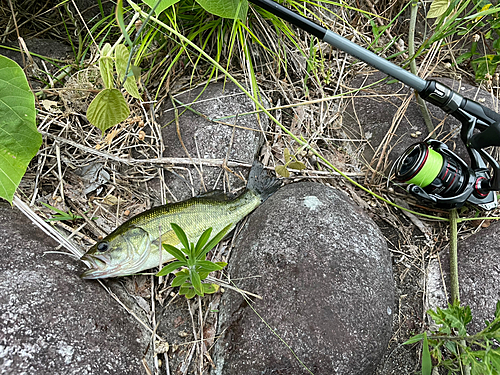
x,y
135,245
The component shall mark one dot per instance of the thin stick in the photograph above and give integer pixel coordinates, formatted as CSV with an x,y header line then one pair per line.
x,y
455,293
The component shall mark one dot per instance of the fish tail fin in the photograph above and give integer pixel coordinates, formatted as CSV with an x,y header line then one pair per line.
x,y
260,182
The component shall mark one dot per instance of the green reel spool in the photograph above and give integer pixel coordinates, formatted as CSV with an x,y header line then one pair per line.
x,y
419,165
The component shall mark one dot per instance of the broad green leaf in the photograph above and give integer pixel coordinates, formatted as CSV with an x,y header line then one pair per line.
x,y
426,357
121,60
108,109
170,268
19,137
180,235
282,171
175,252
226,8
163,4
210,288
438,7
203,274
297,165
214,241
106,66
222,264
180,278
495,358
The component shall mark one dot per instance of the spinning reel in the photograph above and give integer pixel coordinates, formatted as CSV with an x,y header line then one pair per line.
x,y
436,175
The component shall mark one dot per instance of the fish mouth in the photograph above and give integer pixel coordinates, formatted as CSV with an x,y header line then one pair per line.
x,y
99,268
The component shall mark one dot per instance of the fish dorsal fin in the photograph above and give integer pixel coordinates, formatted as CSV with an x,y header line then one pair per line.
x,y
217,195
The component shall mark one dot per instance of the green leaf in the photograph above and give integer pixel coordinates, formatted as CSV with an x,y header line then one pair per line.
x,y
187,290
170,268
206,265
202,241
122,55
106,66
222,264
226,8
282,171
19,137
286,155
180,278
196,281
414,339
180,235
163,4
497,310
495,358
175,252
297,165
210,288
426,357
214,241
438,7
108,109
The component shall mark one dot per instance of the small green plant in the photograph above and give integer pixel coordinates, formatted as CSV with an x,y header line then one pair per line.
x,y
61,215
193,258
109,107
290,162
452,348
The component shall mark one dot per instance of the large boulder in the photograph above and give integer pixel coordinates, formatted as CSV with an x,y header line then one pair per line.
x,y
478,276
51,321
325,276
206,139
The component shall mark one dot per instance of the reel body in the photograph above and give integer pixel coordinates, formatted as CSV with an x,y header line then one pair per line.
x,y
440,178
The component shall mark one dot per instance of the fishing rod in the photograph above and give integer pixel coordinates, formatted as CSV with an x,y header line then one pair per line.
x,y
435,174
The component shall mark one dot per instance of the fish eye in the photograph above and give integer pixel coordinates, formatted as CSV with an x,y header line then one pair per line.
x,y
102,246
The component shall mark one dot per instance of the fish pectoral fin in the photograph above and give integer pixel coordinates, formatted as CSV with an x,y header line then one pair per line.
x,y
170,238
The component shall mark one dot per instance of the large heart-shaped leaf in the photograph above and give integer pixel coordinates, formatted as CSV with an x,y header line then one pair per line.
x,y
108,109
19,137
226,8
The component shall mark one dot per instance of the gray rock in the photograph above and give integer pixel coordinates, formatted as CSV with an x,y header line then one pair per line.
x,y
478,276
371,117
44,47
209,140
51,321
326,282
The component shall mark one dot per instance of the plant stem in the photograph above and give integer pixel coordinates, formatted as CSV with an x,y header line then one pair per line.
x,y
413,63
454,287
455,293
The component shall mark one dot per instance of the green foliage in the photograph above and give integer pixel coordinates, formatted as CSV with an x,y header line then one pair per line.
x,y
163,4
437,9
109,107
193,258
61,215
19,137
452,348
290,162
232,9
